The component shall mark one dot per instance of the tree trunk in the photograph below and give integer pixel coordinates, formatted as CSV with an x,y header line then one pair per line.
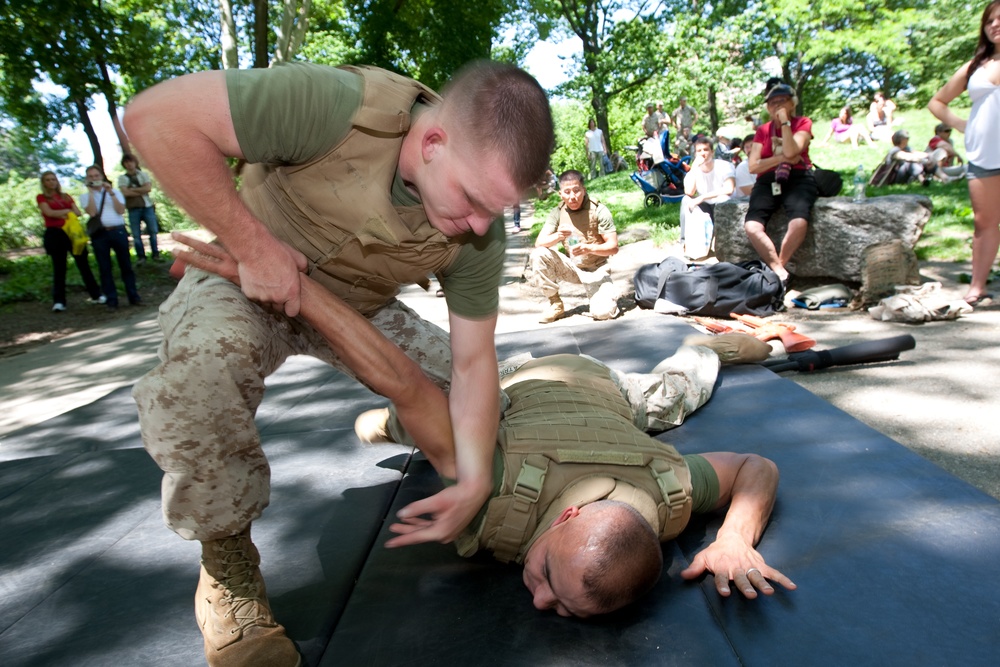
x,y
88,129
109,95
294,23
230,47
260,59
713,111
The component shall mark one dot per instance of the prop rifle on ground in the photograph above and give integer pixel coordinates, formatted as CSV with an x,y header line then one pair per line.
x,y
884,349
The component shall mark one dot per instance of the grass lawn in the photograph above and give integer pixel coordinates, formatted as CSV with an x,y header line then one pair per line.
x,y
947,236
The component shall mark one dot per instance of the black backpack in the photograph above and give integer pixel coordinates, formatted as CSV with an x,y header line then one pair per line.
x,y
715,290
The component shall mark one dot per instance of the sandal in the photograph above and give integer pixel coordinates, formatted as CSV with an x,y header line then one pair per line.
x,y
983,299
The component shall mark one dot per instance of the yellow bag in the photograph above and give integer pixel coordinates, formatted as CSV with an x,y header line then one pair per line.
x,y
74,230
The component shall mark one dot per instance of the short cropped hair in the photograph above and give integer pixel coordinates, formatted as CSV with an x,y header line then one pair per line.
x,y
629,559
505,111
701,139
571,175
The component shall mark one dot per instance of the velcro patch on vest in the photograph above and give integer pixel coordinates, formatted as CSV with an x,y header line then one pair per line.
x,y
608,458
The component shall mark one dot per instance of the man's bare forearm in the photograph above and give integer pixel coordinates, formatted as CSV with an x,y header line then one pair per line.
x,y
751,501
380,364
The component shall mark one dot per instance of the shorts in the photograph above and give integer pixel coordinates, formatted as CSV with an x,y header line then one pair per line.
x,y
798,194
975,172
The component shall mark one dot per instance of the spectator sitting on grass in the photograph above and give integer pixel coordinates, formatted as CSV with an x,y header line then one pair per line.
x,y
943,151
909,165
844,129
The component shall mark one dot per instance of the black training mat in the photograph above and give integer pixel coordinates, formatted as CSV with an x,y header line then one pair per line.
x,y
893,556
89,573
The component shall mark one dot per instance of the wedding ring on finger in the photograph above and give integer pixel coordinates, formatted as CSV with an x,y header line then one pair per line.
x,y
752,569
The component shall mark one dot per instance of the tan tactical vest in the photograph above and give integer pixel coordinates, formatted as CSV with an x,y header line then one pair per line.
x,y
338,209
568,424
585,221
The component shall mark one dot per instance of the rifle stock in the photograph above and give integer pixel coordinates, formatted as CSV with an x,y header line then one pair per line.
x,y
764,330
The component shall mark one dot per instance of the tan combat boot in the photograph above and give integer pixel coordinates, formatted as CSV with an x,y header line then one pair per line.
x,y
232,609
372,427
554,311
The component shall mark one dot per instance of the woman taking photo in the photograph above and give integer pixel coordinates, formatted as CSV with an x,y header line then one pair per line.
x,y
981,77
780,158
107,204
55,206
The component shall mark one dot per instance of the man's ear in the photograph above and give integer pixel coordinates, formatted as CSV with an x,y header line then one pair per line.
x,y
433,142
569,513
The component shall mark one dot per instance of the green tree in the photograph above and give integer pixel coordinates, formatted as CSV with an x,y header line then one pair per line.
x,y
27,154
83,48
619,48
426,39
20,221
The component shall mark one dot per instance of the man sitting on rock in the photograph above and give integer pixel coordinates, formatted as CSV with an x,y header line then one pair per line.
x,y
587,233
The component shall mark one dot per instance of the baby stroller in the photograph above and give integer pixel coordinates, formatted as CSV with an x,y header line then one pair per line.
x,y
661,178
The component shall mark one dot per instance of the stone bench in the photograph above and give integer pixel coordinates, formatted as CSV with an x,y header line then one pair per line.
x,y
838,234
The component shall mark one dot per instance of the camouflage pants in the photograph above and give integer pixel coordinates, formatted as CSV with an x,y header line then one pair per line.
x,y
664,397
196,409
550,267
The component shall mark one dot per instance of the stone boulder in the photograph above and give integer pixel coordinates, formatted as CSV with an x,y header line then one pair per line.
x,y
838,234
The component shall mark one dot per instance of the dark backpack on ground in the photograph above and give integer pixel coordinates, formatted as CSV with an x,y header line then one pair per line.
x,y
715,290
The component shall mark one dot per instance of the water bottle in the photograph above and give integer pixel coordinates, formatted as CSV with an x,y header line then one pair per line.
x,y
860,180
572,241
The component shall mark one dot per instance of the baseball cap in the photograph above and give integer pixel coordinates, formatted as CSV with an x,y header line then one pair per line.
x,y
780,89
942,127
899,135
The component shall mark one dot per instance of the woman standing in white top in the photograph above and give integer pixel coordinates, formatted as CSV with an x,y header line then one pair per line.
x,y
981,77
102,201
597,148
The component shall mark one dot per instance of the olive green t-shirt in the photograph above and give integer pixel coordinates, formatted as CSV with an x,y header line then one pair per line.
x,y
294,113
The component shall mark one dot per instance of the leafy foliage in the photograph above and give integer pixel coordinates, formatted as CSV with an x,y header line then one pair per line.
x,y
20,219
425,39
25,154
30,279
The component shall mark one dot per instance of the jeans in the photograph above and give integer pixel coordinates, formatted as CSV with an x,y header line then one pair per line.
x,y
115,238
135,218
57,245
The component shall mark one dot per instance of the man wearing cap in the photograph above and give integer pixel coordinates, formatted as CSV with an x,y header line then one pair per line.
x,y
909,165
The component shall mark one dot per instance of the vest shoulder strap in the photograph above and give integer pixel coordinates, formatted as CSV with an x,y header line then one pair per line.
x,y
382,85
519,517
